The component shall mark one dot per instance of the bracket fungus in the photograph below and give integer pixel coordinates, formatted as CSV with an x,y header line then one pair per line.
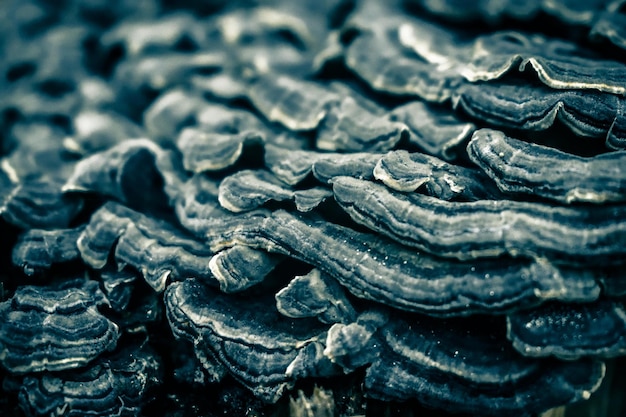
x,y
347,207
54,328
465,370
37,250
114,386
519,167
255,344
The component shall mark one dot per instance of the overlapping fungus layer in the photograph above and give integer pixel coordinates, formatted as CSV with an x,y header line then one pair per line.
x,y
209,208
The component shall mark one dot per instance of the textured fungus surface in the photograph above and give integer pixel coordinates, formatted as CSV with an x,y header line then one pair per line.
x,y
598,17
294,166
435,131
54,328
557,64
315,295
240,267
312,208
402,171
421,282
517,105
416,357
570,332
526,168
263,350
37,249
38,203
585,235
247,190
115,386
155,248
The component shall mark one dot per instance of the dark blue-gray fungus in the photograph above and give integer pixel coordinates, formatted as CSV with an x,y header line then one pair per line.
x,y
518,167
114,386
54,328
247,190
312,208
599,19
421,282
37,249
403,171
570,332
462,368
267,352
487,228
158,250
240,267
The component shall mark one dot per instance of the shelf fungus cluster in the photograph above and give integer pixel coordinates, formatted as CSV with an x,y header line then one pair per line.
x,y
315,208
